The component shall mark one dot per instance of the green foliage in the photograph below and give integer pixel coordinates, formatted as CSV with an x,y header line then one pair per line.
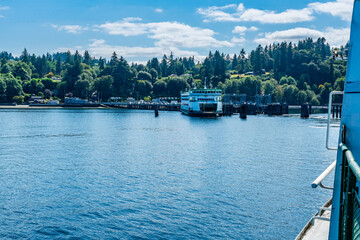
x,y
269,86
160,88
82,88
22,70
287,80
290,94
154,74
302,97
48,83
175,85
325,92
39,87
47,94
13,87
103,86
147,99
2,87
143,87
250,86
314,101
339,84
61,89
142,75
6,68
289,72
73,72
123,83
18,99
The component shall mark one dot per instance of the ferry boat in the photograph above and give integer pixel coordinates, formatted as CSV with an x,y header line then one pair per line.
x,y
339,218
202,102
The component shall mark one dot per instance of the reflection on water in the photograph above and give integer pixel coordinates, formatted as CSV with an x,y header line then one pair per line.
x,y
126,174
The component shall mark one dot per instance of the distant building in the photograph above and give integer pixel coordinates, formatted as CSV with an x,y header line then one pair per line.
x,y
36,99
262,99
115,99
75,100
235,98
53,102
130,100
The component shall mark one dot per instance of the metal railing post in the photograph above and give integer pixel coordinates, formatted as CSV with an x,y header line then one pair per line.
x,y
328,122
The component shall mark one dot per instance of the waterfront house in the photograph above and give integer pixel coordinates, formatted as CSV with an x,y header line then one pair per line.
x,y
36,99
53,102
75,100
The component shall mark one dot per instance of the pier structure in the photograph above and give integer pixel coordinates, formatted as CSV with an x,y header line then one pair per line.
x,y
145,106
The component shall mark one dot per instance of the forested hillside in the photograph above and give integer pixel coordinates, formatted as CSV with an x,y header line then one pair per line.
x,y
294,73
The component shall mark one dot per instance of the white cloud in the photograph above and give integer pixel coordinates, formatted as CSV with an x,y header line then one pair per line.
x,y
288,16
241,14
99,47
335,37
3,8
75,29
238,13
158,10
166,34
125,28
238,41
71,49
253,29
132,19
339,8
242,29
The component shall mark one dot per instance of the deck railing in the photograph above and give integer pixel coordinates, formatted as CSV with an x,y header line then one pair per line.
x,y
349,198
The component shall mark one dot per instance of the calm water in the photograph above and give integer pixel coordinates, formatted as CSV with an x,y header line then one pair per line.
x,y
108,174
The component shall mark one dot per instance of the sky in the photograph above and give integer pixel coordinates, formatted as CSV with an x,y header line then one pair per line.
x,y
141,29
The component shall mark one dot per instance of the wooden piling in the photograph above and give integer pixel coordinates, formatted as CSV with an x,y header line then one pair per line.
x,y
156,108
243,112
305,113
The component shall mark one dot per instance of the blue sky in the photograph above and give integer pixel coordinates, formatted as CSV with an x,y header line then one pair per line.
x,y
139,30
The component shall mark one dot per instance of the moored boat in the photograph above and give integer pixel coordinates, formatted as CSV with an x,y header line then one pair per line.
x,y
202,102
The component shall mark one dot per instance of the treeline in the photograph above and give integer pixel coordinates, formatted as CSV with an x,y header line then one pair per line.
x,y
292,73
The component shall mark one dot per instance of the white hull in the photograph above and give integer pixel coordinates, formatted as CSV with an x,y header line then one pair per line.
x,y
202,102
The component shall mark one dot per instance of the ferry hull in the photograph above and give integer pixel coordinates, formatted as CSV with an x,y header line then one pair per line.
x,y
200,113
201,102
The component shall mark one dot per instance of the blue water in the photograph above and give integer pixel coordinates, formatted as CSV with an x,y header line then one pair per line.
x,y
115,174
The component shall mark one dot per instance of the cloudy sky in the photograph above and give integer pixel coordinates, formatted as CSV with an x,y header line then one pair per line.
x,y
141,29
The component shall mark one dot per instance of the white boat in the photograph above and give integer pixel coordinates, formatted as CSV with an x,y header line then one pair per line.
x,y
340,217
202,102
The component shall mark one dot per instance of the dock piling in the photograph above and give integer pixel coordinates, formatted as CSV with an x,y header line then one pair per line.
x,y
156,108
243,112
305,110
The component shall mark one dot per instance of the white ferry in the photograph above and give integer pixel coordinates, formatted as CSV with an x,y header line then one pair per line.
x,y
202,102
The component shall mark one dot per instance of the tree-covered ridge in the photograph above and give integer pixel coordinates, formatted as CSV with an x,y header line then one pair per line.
x,y
292,73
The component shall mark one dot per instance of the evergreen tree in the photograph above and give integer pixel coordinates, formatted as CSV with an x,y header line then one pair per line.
x,y
123,85
69,59
163,66
58,65
101,63
87,58
234,62
25,56
114,59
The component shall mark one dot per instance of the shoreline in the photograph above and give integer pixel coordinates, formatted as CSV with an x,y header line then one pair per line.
x,y
47,107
